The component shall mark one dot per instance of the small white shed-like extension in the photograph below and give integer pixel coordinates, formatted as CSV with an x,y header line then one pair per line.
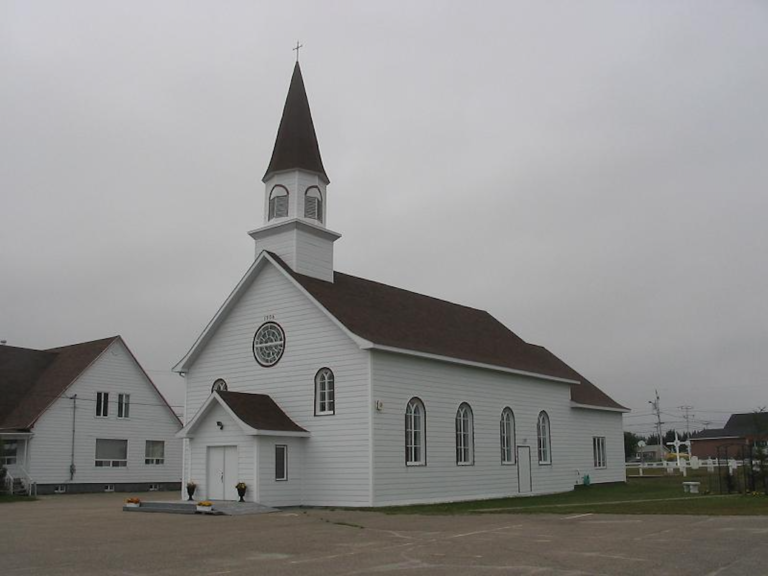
x,y
239,437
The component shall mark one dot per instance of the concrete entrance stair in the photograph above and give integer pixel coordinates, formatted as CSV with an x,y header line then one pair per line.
x,y
220,508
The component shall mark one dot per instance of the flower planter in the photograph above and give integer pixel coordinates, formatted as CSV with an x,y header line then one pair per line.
x,y
204,509
132,505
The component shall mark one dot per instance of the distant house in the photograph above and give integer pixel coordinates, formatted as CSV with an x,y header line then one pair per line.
x,y
741,430
85,418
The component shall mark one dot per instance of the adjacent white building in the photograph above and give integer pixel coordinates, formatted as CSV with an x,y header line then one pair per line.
x,y
320,388
85,418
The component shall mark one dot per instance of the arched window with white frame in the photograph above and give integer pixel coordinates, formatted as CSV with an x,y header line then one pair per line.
x,y
415,433
465,436
313,204
507,433
278,202
544,436
325,392
219,385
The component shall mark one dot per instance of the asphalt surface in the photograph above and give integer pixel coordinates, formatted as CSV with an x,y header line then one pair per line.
x,y
90,535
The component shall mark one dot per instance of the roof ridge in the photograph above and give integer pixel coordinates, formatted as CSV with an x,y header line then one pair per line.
x,y
88,343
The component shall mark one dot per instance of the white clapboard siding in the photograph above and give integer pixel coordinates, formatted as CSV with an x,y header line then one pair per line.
x,y
336,463
273,492
314,255
114,372
587,424
443,387
280,242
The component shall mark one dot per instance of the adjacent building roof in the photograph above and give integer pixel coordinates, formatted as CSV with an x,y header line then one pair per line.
x,y
710,434
738,426
259,412
296,143
401,319
31,380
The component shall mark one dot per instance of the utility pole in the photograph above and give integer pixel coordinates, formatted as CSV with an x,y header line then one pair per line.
x,y
687,417
657,411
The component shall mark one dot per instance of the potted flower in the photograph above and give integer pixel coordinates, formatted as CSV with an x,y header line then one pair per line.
x,y
191,487
132,502
241,489
205,506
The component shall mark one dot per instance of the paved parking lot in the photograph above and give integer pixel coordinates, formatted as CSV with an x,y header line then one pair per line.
x,y
90,535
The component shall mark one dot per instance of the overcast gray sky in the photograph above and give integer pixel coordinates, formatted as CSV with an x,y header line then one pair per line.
x,y
592,173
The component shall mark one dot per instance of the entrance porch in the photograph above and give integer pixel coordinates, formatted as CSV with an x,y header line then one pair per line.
x,y
245,438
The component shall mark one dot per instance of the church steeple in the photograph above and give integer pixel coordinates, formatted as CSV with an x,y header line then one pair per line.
x,y
295,200
296,143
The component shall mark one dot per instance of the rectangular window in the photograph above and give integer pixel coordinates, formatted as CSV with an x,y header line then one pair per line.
x,y
281,462
154,452
111,453
8,452
102,404
598,451
124,405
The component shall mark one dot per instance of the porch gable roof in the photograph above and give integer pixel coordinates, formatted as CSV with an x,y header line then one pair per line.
x,y
255,414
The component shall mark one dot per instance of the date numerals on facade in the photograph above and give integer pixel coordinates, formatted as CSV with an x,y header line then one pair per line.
x,y
268,317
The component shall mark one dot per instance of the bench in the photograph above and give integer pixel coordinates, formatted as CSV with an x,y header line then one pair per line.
x,y
692,487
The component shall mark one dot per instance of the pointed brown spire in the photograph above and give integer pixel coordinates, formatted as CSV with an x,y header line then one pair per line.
x,y
296,144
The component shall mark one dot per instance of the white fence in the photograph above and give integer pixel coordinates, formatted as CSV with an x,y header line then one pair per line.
x,y
684,465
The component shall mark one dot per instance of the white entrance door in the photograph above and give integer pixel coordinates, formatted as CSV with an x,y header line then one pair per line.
x,y
524,469
222,472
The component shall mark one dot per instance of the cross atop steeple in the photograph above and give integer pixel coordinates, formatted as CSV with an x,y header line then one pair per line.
x,y
297,48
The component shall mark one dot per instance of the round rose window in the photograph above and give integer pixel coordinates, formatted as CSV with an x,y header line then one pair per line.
x,y
268,344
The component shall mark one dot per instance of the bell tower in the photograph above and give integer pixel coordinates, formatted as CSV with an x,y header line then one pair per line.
x,y
295,193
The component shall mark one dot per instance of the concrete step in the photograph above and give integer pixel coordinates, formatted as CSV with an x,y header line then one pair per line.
x,y
166,507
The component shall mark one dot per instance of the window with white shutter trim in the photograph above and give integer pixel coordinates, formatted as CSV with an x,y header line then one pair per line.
x,y
111,453
313,204
278,202
123,405
154,452
281,462
102,404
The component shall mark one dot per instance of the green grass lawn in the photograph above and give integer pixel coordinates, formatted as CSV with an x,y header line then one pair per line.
x,y
655,495
11,498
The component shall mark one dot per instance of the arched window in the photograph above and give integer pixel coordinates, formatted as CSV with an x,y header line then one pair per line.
x,y
278,202
465,436
507,432
544,439
415,433
313,204
325,392
219,386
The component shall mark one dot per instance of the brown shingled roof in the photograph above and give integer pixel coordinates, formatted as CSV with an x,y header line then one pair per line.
x,y
259,411
296,143
30,380
398,318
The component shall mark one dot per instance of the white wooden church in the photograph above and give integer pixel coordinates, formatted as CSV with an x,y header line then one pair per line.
x,y
319,388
